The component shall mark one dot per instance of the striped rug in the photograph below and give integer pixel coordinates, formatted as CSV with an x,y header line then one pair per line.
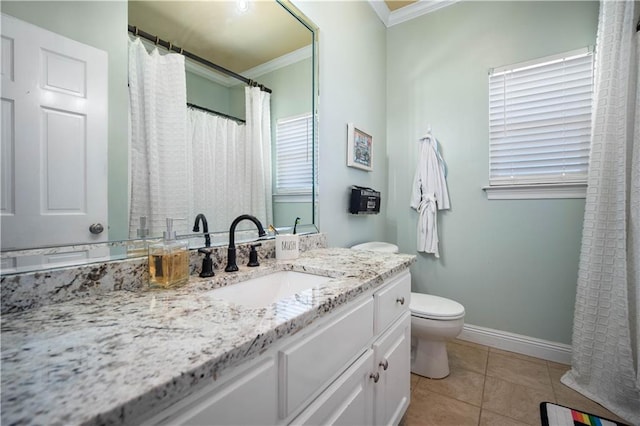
x,y
558,415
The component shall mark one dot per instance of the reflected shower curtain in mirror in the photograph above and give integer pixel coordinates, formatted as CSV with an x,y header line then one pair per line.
x,y
258,189
231,164
605,356
158,129
217,149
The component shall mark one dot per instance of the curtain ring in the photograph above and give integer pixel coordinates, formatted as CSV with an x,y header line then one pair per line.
x,y
157,40
136,31
170,46
181,50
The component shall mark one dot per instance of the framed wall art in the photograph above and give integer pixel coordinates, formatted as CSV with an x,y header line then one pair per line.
x,y
359,148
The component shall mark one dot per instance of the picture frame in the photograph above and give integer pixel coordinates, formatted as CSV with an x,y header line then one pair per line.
x,y
359,148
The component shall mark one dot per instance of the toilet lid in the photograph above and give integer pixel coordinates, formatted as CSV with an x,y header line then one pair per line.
x,y
435,307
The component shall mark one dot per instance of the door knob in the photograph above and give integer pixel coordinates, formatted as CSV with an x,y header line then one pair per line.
x,y
375,376
384,364
400,300
96,228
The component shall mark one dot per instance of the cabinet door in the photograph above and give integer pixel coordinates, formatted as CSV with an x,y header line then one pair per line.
x,y
348,401
245,398
392,359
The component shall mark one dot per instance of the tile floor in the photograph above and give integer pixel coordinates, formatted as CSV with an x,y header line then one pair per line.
x,y
490,386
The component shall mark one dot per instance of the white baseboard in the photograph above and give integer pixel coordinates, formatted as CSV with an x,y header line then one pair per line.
x,y
551,351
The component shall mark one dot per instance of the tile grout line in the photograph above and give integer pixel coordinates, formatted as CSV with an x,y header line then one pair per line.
x,y
484,385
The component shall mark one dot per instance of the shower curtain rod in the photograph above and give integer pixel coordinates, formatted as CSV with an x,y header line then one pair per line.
x,y
158,41
221,114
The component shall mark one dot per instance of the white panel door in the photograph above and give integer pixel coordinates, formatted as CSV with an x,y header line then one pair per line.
x,y
54,138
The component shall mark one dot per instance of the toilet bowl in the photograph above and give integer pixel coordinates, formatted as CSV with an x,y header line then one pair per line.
x,y
434,320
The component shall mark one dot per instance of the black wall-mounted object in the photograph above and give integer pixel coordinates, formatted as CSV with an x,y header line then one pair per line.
x,y
364,200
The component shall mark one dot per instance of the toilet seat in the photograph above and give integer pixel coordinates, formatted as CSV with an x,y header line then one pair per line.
x,y
434,307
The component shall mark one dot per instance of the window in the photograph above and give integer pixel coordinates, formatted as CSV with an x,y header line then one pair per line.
x,y
540,127
294,155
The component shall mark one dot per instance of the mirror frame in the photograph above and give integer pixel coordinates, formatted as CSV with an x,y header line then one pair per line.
x,y
219,238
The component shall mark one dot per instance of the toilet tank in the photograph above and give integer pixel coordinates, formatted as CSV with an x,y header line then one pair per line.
x,y
377,246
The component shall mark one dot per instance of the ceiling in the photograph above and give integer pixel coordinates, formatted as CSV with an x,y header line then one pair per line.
x,y
219,32
240,41
397,4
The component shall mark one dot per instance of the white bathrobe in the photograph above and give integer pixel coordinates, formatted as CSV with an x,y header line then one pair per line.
x,y
429,193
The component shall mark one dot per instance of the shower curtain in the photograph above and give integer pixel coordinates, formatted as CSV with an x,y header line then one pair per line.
x,y
217,174
185,161
231,163
605,357
158,129
258,153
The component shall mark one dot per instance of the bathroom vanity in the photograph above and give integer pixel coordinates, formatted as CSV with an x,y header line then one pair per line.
x,y
334,353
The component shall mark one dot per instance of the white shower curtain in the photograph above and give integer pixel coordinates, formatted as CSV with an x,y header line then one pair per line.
x,y
231,172
218,173
258,193
159,175
605,356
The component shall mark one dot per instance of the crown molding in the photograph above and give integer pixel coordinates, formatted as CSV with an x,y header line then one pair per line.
x,y
279,62
381,9
253,73
404,14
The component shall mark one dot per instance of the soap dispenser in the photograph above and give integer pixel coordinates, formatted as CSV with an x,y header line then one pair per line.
x,y
169,260
139,247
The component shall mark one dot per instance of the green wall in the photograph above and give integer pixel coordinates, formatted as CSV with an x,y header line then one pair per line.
x,y
101,24
352,68
512,263
208,94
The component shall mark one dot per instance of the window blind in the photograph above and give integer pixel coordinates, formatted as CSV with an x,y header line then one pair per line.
x,y
294,155
540,120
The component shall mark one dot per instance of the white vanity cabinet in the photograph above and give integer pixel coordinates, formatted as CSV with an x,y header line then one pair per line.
x,y
350,367
374,389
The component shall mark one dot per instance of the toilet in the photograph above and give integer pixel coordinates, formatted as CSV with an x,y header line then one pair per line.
x,y
434,320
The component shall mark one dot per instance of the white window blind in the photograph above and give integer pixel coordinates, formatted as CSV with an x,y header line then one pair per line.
x,y
540,120
294,155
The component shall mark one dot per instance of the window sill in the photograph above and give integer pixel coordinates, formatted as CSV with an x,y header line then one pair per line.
x,y
536,191
292,198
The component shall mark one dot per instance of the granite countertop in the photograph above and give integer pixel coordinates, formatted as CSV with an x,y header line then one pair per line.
x,y
110,358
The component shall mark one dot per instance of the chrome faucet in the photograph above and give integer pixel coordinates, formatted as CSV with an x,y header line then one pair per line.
x,y
231,251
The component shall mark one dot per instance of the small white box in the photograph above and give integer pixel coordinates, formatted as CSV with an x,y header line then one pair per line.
x,y
287,247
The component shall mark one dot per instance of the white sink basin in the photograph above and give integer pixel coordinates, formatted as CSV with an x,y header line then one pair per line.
x,y
265,290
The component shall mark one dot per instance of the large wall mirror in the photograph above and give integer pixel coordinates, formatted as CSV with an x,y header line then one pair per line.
x,y
69,165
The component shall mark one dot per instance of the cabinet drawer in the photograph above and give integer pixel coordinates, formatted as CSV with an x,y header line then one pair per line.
x,y
391,301
227,403
321,355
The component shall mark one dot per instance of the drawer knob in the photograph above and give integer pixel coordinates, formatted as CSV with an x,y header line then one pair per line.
x,y
384,364
375,376
400,300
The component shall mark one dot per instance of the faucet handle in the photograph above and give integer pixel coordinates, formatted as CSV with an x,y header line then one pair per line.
x,y
207,262
253,255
